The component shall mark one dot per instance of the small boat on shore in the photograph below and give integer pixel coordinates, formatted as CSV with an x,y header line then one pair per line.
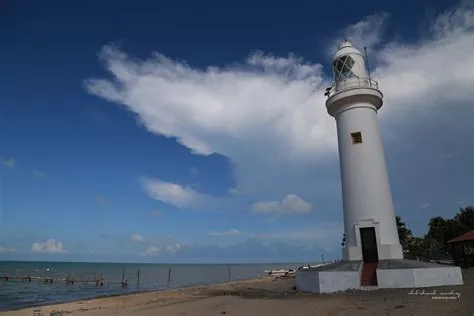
x,y
289,272
280,272
311,266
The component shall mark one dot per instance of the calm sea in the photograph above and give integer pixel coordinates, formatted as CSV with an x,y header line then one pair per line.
x,y
15,294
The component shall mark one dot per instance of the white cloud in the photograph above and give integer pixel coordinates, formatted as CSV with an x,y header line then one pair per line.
x,y
48,246
137,237
100,199
268,115
230,232
151,251
291,204
215,111
366,33
252,250
9,162
170,193
193,171
37,174
425,205
418,78
455,22
173,248
325,236
234,191
4,249
316,234
156,213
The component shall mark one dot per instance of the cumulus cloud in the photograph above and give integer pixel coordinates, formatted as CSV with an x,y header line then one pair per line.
x,y
4,249
267,115
48,246
230,232
137,237
243,113
151,251
171,193
9,162
291,204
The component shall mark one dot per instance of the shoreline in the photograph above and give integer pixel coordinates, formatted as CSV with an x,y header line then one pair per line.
x,y
107,301
267,295
154,277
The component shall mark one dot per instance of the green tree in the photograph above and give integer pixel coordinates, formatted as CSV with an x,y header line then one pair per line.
x,y
433,245
465,219
435,239
404,234
437,228
441,230
417,248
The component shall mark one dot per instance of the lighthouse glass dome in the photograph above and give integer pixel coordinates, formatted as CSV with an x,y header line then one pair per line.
x,y
342,68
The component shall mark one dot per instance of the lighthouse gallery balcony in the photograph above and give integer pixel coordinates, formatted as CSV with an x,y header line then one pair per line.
x,y
351,83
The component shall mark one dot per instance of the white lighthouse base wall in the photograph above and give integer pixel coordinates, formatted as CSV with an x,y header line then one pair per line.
x,y
327,281
419,278
391,274
388,252
331,278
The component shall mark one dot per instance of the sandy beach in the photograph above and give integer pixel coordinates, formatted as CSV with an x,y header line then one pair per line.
x,y
268,296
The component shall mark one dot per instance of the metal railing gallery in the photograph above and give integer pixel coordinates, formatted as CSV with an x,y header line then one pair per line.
x,y
351,83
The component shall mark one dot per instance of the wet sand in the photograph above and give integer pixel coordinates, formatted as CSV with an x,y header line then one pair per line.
x,y
267,296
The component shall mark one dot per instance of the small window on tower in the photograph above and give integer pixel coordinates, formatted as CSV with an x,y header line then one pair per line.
x,y
356,138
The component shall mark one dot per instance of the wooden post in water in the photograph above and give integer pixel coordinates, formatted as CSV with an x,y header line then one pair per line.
x,y
123,275
124,282
322,257
138,278
169,277
228,272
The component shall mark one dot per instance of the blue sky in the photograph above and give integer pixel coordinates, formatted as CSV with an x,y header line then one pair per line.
x,y
197,131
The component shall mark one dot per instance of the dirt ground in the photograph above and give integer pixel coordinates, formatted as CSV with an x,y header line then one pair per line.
x,y
269,297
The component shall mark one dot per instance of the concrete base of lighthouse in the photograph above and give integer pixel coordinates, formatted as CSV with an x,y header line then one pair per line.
x,y
391,274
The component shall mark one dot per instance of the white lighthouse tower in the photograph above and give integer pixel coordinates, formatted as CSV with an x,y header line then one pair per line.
x,y
369,219
372,252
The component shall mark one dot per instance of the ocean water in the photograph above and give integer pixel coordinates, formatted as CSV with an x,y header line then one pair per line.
x,y
15,294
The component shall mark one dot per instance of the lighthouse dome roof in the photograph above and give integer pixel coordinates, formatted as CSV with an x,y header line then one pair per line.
x,y
346,48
